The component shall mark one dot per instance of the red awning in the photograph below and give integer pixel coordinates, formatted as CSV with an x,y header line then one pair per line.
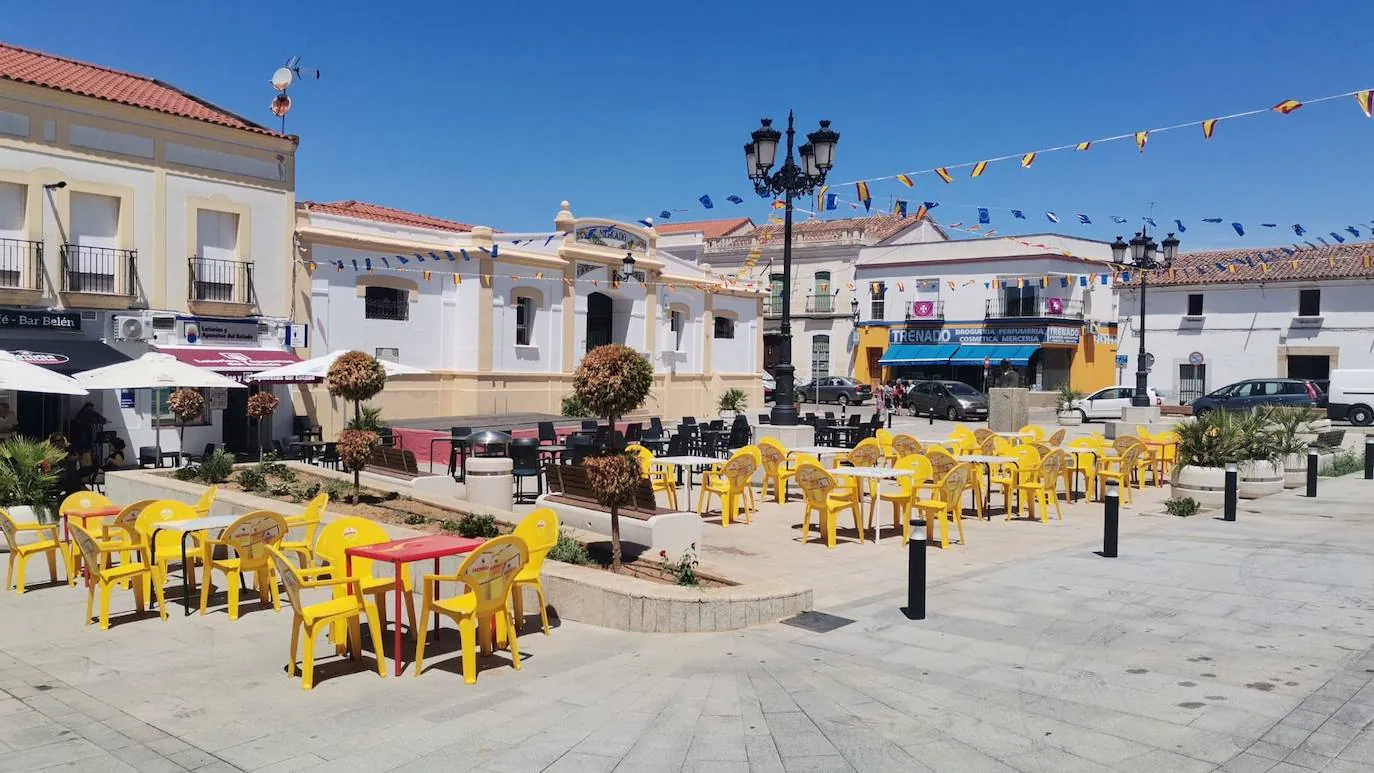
x,y
232,362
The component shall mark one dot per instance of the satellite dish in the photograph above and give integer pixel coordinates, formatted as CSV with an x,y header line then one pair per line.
x,y
281,79
281,105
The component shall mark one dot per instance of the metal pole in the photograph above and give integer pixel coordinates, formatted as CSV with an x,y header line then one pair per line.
x,y
784,404
916,573
1228,512
1369,457
1141,398
1111,520
1312,458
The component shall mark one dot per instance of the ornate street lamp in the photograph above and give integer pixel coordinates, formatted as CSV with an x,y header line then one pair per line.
x,y
628,269
790,181
1144,258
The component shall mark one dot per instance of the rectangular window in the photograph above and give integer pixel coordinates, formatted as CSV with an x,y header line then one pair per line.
x,y
725,327
877,292
1021,301
820,356
1310,303
387,303
676,323
524,320
1195,304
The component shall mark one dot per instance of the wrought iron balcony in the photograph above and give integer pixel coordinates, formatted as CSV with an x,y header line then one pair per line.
x,y
772,307
98,270
221,281
1012,307
919,310
21,265
820,304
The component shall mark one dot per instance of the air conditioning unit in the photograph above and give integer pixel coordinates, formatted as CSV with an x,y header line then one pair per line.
x,y
133,327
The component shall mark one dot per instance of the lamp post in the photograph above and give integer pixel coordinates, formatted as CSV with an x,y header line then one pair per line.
x,y
627,271
789,181
1144,258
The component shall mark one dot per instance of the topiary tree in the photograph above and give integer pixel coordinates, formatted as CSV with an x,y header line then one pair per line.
x,y
356,376
261,406
355,451
613,380
185,405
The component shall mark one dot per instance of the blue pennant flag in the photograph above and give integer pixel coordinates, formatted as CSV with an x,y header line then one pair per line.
x,y
665,215
733,199
983,216
1053,218
646,222
464,253
1287,251
931,205
1211,220
1063,281
1353,231
1018,214
355,265
832,200
385,262
706,201
1082,280
448,254
403,259
1103,279
1082,218
368,262
546,241
1312,246
1151,221
338,264
1125,276
419,258
1324,242
900,208
1181,227
495,250
1298,229
1269,225
1118,219
1240,229
435,257
1338,237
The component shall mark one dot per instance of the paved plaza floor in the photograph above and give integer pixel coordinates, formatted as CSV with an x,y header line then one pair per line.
x,y
1206,645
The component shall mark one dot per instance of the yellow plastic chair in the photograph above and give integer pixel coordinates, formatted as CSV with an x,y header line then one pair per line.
x,y
245,543
346,608
1079,459
75,502
166,547
884,437
659,478
1168,453
20,554
905,445
1041,486
776,469
1036,431
120,534
942,461
903,494
489,573
137,574
945,502
206,501
1119,469
1057,439
826,500
1008,476
1145,462
539,530
963,440
981,435
866,454
309,523
730,483
350,531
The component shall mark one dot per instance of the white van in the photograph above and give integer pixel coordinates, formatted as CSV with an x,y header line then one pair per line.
x,y
1351,396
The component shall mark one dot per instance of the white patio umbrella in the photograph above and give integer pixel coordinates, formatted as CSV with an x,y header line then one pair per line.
x,y
154,370
20,376
318,367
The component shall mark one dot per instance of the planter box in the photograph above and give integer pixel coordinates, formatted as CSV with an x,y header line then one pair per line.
x,y
1260,479
1204,485
1295,471
1069,418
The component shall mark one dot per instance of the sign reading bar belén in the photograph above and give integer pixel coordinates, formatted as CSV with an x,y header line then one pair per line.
x,y
40,320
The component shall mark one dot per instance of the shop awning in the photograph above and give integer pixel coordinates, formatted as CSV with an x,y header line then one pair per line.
x,y
976,354
69,356
918,354
233,361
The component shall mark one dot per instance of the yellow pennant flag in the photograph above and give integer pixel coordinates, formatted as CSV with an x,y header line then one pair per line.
x,y
310,266
1294,264
820,198
1366,261
861,190
1020,282
978,169
1231,268
1208,126
996,283
951,284
901,287
539,275
1331,261
850,285
1366,100
1140,138
906,180
427,276
457,279
1027,160
1264,267
944,174
1084,145
921,212
1287,106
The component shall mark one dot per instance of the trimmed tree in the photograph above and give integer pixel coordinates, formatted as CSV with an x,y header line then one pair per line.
x,y
612,381
185,405
261,406
356,377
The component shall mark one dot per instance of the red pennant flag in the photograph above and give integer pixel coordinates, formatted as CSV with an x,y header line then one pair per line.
x,y
1287,106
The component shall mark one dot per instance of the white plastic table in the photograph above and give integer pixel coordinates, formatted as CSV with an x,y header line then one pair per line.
x,y
690,462
185,528
874,474
820,450
987,462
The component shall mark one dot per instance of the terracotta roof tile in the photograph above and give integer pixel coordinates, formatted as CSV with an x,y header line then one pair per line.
x,y
1266,264
366,211
710,229
40,69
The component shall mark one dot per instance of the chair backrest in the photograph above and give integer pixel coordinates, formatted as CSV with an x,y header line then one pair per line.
x,y
210,449
1052,465
524,456
854,419
1035,431
490,570
290,578
83,500
634,432
158,512
641,455
941,461
866,453
952,485
1027,458
147,455
349,532
128,517
1124,442
250,535
547,432
741,467
905,445
11,530
539,530
1130,457
981,434
816,483
830,415
765,418
1057,439
884,438
86,543
656,424
677,444
740,432
689,420
206,501
771,454
920,468
589,425
1143,432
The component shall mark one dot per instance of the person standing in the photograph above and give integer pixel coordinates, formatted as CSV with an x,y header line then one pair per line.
x,y
1008,378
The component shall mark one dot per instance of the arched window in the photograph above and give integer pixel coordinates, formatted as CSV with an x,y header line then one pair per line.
x,y
820,356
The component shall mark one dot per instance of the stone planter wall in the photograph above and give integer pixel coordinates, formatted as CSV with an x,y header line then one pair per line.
x,y
1204,485
1260,479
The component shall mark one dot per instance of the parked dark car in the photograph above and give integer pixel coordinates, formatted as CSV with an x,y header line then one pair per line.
x,y
836,389
949,399
1244,395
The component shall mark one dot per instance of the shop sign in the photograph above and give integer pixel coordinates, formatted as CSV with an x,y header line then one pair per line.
x,y
297,335
610,236
126,398
40,320
43,359
1048,334
216,398
208,331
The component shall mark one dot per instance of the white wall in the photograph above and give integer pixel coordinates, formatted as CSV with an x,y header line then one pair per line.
x,y
670,357
544,354
739,354
629,301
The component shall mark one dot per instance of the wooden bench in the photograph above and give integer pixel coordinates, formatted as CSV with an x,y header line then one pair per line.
x,y
1331,438
568,482
394,463
642,522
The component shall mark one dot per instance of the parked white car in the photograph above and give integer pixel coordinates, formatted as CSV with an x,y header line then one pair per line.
x,y
1112,402
1351,396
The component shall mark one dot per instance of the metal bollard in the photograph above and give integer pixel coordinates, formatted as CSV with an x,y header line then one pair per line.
x,y
1111,520
1228,512
1369,457
916,573
1312,458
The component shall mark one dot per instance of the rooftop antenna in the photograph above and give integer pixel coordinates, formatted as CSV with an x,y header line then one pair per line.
x,y
282,79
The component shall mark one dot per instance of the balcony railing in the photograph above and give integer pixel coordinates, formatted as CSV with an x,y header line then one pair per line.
x,y
225,281
772,307
1002,308
21,264
98,270
820,304
919,310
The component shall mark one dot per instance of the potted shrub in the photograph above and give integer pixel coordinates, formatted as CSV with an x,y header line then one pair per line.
x,y
731,403
186,405
1068,415
1260,460
29,474
1290,440
1205,446
261,406
357,377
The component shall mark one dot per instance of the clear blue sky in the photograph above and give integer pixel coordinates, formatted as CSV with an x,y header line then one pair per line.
x,y
492,113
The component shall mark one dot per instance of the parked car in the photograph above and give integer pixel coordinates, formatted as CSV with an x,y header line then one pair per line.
x,y
950,399
1112,402
1351,396
836,389
1251,393
769,385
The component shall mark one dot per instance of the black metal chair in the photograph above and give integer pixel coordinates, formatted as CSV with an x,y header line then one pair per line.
x,y
458,451
656,428
524,456
330,458
830,415
634,432
689,420
589,425
386,437
196,458
547,433
147,456
740,432
579,448
716,425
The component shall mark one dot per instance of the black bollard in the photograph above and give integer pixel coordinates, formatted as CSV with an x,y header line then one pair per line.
x,y
1312,458
1369,457
916,573
1111,519
1228,512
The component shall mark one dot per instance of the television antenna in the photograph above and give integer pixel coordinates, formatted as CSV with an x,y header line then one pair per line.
x,y
282,78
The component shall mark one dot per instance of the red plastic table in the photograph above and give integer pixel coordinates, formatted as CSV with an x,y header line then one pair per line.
x,y
400,552
83,515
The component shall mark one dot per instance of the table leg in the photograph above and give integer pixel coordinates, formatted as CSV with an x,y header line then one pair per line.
x,y
396,619
434,594
185,581
873,512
